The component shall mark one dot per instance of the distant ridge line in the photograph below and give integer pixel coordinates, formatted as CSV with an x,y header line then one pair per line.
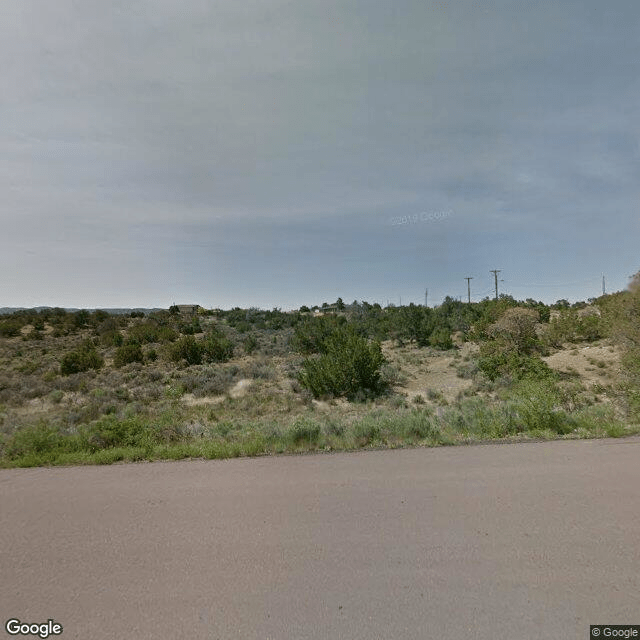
x,y
115,311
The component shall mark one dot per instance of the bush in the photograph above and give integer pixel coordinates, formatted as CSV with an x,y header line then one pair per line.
x,y
622,312
130,352
217,348
350,366
304,431
366,431
81,360
516,330
112,338
150,331
539,406
132,432
186,348
311,335
574,326
10,328
513,347
250,344
496,362
40,439
191,328
441,339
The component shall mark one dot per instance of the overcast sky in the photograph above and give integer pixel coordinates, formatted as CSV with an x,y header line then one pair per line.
x,y
275,153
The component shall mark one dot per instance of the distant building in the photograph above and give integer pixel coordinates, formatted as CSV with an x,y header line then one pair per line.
x,y
188,309
330,308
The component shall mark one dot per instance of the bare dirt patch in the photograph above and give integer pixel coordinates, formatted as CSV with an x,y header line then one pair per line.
x,y
426,371
241,388
595,363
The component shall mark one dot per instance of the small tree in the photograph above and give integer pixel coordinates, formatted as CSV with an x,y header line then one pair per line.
x,y
186,348
127,353
516,329
349,367
513,347
82,359
217,348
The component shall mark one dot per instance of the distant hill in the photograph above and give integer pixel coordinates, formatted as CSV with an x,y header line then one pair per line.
x,y
8,310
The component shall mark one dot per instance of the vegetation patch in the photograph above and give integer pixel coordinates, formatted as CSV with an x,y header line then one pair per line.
x,y
88,387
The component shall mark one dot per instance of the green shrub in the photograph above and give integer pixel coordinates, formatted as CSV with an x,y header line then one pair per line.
x,y
441,339
419,425
622,318
539,406
40,439
496,362
10,328
83,359
191,328
112,338
111,432
304,431
512,349
350,366
515,330
130,352
574,326
150,331
311,334
250,344
186,348
217,348
366,431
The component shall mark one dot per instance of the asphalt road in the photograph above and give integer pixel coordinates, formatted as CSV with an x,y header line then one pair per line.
x,y
522,541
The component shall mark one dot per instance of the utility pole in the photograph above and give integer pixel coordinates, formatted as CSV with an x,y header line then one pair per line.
x,y
469,279
426,294
495,275
603,288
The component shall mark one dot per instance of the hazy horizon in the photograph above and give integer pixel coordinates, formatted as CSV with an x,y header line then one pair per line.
x,y
277,154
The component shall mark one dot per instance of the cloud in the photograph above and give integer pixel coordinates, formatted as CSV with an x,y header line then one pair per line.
x,y
150,125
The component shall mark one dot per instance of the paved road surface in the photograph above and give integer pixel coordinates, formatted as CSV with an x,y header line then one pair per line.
x,y
518,542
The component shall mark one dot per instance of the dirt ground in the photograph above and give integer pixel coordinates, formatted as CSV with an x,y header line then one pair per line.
x,y
596,364
429,372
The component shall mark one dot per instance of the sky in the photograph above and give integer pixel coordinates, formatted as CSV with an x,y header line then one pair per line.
x,y
277,153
